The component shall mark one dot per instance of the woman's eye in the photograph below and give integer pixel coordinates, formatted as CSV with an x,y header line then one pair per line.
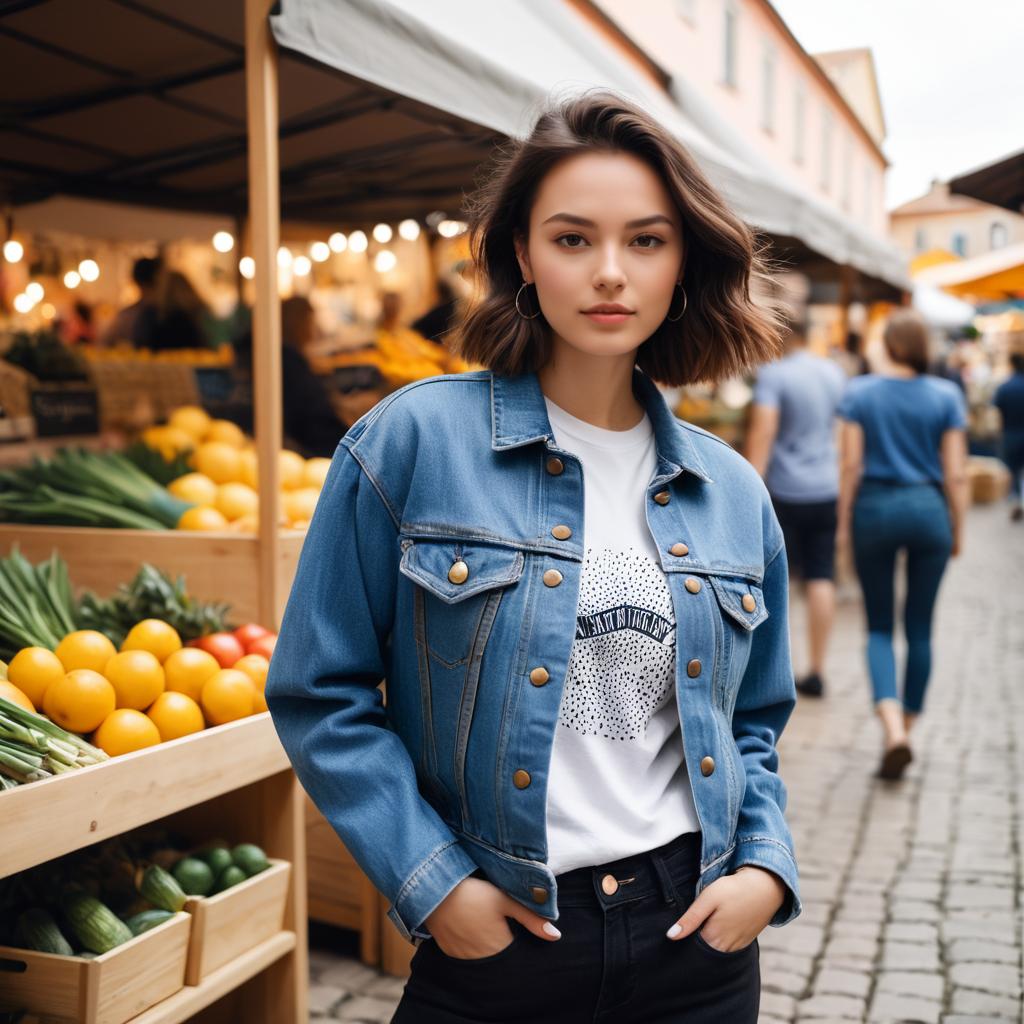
x,y
564,237
652,238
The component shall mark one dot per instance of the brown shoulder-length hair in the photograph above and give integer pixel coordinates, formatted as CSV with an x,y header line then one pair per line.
x,y
906,339
722,330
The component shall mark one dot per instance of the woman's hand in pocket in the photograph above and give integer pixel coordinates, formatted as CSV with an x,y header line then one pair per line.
x,y
469,923
733,910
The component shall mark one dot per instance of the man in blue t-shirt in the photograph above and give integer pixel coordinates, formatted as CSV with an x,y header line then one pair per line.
x,y
1009,400
791,442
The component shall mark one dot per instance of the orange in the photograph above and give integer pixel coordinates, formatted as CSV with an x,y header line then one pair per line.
x,y
80,701
255,666
125,730
194,487
202,517
300,503
219,461
85,648
291,469
10,692
191,419
32,670
137,678
315,472
226,432
247,467
260,703
176,714
228,695
186,670
235,500
154,635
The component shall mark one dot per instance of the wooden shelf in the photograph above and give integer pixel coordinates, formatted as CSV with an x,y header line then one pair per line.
x,y
115,796
190,1000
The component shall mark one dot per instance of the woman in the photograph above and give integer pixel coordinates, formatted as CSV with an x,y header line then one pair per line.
x,y
903,455
179,319
579,605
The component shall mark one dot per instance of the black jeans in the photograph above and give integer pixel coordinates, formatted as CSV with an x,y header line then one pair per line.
x,y
613,962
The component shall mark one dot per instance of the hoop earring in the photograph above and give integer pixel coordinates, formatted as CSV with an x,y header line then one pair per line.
x,y
676,319
519,311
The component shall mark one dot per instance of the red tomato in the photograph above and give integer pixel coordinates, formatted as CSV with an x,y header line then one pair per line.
x,y
223,646
249,632
263,645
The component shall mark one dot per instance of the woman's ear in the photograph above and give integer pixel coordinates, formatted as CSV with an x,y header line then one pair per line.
x,y
522,256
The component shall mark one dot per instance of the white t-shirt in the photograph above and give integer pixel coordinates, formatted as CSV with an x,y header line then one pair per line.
x,y
618,783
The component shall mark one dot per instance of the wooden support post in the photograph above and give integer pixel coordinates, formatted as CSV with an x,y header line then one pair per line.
x,y
265,224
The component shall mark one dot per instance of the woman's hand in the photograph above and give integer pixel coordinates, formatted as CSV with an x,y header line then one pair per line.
x,y
735,909
469,923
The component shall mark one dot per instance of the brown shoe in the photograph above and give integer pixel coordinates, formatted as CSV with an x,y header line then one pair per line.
x,y
895,761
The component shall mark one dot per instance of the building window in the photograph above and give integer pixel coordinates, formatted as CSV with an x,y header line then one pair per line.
x,y
998,236
799,107
731,29
826,149
847,172
687,10
959,243
768,88
920,240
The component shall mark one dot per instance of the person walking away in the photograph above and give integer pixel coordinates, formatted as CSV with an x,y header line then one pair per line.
x,y
1009,400
145,274
903,454
791,442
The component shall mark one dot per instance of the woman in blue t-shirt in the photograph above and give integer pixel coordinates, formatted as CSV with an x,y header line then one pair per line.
x,y
902,485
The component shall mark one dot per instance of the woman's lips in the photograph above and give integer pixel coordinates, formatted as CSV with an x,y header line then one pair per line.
x,y
608,318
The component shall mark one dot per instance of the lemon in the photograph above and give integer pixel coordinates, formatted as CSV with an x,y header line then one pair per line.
x,y
137,678
194,487
235,500
299,504
226,432
247,462
85,648
202,517
291,469
193,420
315,472
168,441
32,670
154,635
219,461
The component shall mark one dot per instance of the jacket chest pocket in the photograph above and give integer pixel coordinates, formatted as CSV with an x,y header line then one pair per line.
x,y
460,586
742,609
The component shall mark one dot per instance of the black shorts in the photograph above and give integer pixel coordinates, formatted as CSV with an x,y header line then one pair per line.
x,y
810,532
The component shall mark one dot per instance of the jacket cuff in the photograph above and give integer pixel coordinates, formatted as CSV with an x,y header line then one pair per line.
x,y
428,885
773,856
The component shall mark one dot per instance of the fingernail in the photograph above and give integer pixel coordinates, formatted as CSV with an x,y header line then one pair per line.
x,y
552,930
674,931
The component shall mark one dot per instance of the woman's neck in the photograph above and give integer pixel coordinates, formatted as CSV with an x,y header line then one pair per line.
x,y
595,389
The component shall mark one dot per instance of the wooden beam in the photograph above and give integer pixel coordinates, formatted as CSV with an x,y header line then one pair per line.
x,y
261,66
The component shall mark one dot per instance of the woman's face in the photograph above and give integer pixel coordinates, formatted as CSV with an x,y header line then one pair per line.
x,y
603,229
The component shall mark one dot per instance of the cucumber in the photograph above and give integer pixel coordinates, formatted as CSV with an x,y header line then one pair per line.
x,y
95,926
38,930
161,889
142,922
231,875
194,876
250,858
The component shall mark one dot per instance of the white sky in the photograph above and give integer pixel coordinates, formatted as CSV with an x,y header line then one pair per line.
x,y
950,73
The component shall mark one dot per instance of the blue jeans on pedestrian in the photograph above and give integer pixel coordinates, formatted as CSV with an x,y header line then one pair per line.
x,y
1012,452
886,518
612,965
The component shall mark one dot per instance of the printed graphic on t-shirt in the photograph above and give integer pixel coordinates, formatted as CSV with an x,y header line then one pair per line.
x,y
622,668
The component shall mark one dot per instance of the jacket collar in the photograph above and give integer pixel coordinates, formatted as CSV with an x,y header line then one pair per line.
x,y
519,416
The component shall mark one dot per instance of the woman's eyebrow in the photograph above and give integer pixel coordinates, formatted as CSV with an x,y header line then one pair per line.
x,y
642,222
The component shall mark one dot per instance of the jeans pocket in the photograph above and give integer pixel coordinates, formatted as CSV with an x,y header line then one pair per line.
x,y
517,930
705,946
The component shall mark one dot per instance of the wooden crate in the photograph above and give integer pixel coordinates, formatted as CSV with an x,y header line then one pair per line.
x,y
230,923
216,566
109,989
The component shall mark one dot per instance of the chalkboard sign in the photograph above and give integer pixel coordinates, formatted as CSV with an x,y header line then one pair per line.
x,y
60,411
215,383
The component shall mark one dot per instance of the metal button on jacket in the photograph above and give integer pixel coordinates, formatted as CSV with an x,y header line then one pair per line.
x,y
749,602
692,584
609,885
555,465
552,577
521,779
707,765
539,676
459,572
693,668
539,894
662,497
679,550
561,532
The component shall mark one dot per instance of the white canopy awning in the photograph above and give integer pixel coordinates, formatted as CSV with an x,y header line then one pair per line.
x,y
496,65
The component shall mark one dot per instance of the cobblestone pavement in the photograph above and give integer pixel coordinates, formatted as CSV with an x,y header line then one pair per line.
x,y
912,891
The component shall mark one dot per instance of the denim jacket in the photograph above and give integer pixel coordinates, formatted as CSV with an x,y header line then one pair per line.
x,y
444,558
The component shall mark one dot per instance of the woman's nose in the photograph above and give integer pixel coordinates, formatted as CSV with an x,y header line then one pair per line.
x,y
610,272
